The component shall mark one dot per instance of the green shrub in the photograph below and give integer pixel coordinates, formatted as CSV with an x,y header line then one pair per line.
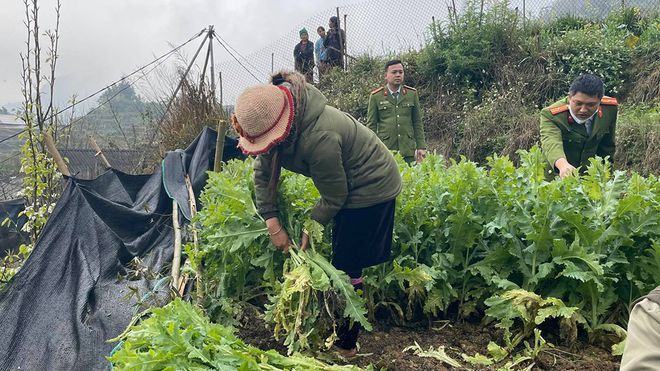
x,y
592,49
499,125
638,139
645,83
467,50
566,23
349,91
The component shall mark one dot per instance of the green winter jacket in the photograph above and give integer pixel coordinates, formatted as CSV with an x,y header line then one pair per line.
x,y
561,137
349,166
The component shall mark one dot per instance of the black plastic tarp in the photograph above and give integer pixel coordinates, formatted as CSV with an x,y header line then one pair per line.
x,y
11,236
73,294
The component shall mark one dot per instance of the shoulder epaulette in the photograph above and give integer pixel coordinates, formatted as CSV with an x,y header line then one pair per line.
x,y
409,88
559,109
609,101
377,90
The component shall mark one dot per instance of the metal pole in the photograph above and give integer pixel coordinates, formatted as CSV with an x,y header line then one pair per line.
x,y
169,103
211,33
99,153
272,63
524,13
341,40
344,46
206,62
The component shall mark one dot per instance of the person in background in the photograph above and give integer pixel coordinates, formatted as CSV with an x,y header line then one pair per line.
x,y
335,44
289,125
319,51
579,127
303,54
395,115
642,351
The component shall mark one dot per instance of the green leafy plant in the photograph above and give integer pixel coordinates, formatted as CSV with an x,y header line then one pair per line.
x,y
178,336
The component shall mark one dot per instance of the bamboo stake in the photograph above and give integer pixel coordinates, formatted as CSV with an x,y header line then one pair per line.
x,y
193,212
176,261
99,153
59,161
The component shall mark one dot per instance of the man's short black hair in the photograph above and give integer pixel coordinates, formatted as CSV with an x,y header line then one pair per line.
x,y
392,63
588,84
321,28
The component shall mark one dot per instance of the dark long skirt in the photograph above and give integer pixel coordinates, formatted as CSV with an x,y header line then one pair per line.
x,y
362,237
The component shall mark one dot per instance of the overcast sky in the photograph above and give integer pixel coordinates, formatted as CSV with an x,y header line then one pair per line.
x,y
103,39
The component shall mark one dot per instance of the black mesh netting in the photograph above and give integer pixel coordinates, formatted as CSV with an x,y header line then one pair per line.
x,y
11,236
73,294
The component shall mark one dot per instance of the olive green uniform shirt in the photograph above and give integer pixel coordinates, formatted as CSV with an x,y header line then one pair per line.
x,y
397,122
561,136
642,351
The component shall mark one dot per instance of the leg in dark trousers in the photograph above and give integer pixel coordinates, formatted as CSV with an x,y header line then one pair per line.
x,y
348,333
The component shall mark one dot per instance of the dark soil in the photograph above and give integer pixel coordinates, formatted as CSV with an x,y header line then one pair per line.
x,y
383,347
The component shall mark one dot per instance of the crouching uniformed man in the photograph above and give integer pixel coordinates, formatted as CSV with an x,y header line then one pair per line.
x,y
579,127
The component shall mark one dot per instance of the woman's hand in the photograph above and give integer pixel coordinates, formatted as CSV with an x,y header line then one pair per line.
x,y
304,241
278,235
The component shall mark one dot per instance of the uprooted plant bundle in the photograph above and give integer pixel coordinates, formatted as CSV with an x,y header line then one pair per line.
x,y
303,294
179,337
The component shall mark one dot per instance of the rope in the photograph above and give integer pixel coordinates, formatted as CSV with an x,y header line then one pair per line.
x,y
247,61
236,59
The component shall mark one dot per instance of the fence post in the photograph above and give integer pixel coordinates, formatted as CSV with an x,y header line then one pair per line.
x,y
344,46
341,41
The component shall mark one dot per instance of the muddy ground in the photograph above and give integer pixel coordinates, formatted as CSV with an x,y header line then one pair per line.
x,y
383,347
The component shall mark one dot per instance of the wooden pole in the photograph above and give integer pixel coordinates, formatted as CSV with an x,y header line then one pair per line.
x,y
220,145
176,261
99,153
59,161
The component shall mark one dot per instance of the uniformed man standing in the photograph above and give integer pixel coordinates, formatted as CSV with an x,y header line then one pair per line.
x,y
395,116
579,127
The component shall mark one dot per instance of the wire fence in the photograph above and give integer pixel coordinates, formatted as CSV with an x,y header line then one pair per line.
x,y
373,27
388,27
